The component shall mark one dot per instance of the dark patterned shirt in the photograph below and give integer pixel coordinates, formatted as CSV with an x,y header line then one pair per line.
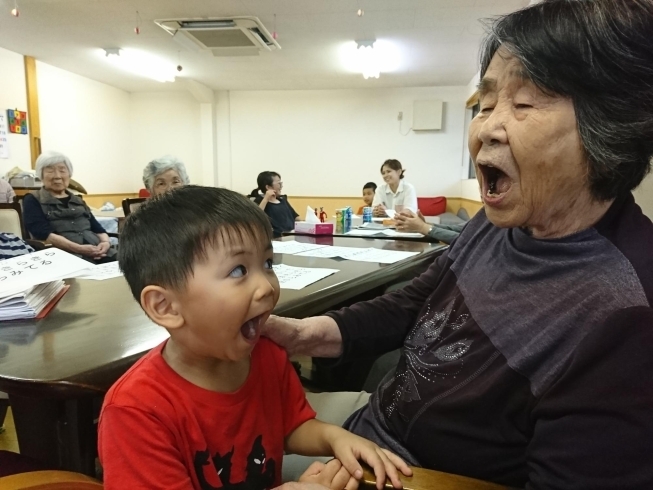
x,y
525,362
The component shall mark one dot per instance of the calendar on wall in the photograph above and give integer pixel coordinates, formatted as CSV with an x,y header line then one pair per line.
x,y
17,121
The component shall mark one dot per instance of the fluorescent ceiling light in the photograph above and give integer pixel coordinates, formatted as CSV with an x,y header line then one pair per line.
x,y
141,63
370,57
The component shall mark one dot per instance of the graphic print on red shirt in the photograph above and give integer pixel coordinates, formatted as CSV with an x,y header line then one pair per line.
x,y
159,431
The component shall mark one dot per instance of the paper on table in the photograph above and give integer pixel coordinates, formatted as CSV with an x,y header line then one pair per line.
x,y
100,272
292,247
401,233
359,254
299,277
327,252
377,255
310,216
391,213
365,232
24,271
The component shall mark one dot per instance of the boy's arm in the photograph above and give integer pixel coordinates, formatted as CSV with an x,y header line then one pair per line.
x,y
315,438
138,452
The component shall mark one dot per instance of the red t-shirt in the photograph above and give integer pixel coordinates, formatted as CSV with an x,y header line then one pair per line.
x,y
159,431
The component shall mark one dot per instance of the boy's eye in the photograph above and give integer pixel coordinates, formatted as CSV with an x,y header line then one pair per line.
x,y
268,264
238,271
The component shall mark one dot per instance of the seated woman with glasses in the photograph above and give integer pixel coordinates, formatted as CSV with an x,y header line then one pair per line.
x,y
269,198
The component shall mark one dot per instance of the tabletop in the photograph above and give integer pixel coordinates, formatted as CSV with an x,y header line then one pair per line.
x,y
98,330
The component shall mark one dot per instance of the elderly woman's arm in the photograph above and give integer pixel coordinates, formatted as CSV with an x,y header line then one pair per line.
x,y
367,328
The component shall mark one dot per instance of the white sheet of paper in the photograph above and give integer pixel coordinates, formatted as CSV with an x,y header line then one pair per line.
x,y
360,254
292,247
327,252
391,213
100,272
401,233
365,232
299,277
19,273
377,255
310,216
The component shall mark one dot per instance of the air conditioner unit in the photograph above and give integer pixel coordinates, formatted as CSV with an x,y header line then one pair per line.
x,y
233,36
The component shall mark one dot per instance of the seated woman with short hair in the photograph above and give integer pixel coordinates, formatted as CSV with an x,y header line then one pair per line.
x,y
164,174
59,217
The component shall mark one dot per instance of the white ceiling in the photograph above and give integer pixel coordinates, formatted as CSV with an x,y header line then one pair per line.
x,y
437,39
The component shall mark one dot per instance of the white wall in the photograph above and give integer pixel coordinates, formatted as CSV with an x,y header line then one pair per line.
x,y
89,121
644,196
13,95
469,187
165,123
331,142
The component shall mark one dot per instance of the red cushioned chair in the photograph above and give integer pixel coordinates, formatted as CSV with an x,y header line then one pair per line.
x,y
432,206
143,193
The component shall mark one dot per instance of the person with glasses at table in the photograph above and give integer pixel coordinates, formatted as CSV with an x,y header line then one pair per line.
x,y
269,198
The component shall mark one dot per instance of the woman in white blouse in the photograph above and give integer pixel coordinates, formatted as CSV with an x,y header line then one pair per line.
x,y
395,193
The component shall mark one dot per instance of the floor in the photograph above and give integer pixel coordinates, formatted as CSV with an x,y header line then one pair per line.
x,y
8,439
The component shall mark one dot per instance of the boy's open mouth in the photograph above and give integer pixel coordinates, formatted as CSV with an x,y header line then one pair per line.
x,y
251,329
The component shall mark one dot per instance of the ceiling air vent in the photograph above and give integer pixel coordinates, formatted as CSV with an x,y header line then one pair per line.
x,y
234,36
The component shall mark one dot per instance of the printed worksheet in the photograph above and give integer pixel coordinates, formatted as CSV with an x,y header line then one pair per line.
x,y
293,247
299,277
19,273
360,254
100,272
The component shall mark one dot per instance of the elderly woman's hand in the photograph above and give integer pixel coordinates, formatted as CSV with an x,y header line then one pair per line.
x,y
101,250
407,221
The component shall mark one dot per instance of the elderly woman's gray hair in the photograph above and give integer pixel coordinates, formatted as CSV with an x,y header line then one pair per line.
x,y
49,158
161,165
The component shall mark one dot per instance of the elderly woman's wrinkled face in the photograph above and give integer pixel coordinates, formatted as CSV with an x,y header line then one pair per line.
x,y
166,181
56,178
527,151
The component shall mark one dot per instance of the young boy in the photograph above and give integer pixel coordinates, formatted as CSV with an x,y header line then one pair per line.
x,y
214,406
368,196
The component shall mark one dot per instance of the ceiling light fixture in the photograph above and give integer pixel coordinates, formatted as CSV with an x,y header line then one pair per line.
x,y
360,12
14,11
368,58
140,63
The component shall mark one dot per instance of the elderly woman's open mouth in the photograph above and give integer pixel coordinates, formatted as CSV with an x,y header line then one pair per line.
x,y
496,183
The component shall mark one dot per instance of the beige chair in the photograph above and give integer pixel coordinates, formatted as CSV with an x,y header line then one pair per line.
x,y
11,219
131,205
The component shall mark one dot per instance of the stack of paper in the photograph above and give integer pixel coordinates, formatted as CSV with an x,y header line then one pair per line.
x,y
31,303
31,284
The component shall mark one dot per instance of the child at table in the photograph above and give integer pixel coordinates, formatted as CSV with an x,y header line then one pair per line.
x,y
214,406
368,196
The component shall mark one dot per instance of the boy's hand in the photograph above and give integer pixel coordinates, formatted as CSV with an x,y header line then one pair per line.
x,y
332,475
349,448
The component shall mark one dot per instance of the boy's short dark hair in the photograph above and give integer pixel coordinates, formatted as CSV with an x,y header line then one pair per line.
x,y
370,185
166,235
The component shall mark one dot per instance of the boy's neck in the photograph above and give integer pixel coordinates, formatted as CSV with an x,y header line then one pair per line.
x,y
211,374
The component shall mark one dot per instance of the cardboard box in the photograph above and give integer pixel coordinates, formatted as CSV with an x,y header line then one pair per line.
x,y
314,228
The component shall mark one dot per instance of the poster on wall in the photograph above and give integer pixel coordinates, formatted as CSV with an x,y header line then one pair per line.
x,y
17,121
4,144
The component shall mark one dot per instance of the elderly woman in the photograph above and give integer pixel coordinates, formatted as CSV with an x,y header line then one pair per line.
x,y
164,174
528,347
56,215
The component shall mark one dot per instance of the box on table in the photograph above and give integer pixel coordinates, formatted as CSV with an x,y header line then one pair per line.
x,y
314,228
